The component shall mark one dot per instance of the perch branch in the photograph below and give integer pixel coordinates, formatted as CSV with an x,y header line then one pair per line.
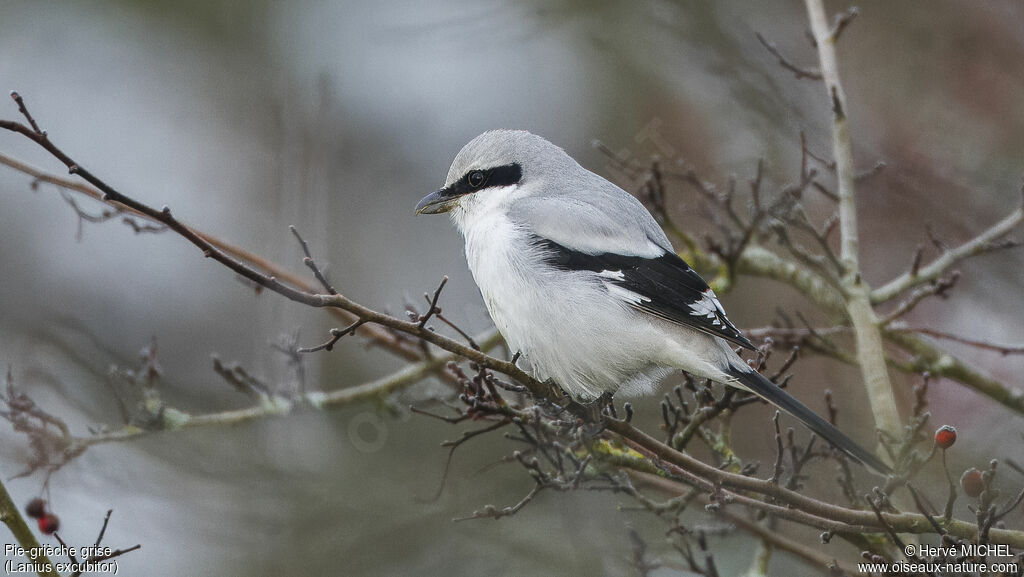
x,y
801,508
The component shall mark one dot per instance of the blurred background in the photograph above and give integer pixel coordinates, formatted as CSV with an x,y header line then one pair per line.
x,y
336,117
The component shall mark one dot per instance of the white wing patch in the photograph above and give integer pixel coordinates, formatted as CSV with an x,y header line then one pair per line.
x,y
708,306
618,291
626,294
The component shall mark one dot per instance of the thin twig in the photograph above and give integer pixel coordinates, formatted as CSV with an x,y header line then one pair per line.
x,y
984,242
939,287
1001,348
841,21
24,112
490,512
786,63
311,264
927,358
433,308
336,335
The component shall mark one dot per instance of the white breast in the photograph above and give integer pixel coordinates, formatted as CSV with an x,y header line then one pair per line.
x,y
567,326
495,251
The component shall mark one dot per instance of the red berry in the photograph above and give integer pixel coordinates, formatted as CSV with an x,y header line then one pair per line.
x,y
945,436
49,523
972,483
36,508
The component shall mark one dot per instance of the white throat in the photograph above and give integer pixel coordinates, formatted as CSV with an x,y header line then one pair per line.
x,y
474,210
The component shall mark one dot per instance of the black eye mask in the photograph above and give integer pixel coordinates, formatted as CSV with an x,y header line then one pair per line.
x,y
477,180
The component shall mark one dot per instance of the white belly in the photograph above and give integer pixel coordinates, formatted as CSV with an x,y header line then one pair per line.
x,y
566,325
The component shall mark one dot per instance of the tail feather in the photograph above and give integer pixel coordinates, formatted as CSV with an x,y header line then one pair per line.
x,y
769,391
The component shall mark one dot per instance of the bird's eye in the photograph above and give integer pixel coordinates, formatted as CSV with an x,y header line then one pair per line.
x,y
476,178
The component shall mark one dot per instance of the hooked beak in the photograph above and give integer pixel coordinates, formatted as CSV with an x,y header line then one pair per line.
x,y
436,202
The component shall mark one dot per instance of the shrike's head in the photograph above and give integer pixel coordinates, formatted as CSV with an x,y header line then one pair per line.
x,y
496,168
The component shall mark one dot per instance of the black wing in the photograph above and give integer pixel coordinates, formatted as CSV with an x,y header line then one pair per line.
x,y
665,286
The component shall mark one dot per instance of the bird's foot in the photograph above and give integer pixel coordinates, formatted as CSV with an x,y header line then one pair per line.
x,y
592,414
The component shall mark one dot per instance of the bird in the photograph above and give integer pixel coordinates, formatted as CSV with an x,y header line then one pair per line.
x,y
583,283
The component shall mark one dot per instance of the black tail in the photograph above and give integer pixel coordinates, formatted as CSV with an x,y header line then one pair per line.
x,y
769,391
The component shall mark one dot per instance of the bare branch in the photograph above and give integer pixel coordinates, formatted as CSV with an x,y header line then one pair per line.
x,y
808,510
786,63
240,379
869,173
927,358
841,21
433,308
24,112
105,556
311,264
336,335
984,242
870,354
939,287
273,406
1003,349
377,335
491,512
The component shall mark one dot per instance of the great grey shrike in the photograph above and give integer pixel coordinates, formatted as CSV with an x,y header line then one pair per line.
x,y
584,284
